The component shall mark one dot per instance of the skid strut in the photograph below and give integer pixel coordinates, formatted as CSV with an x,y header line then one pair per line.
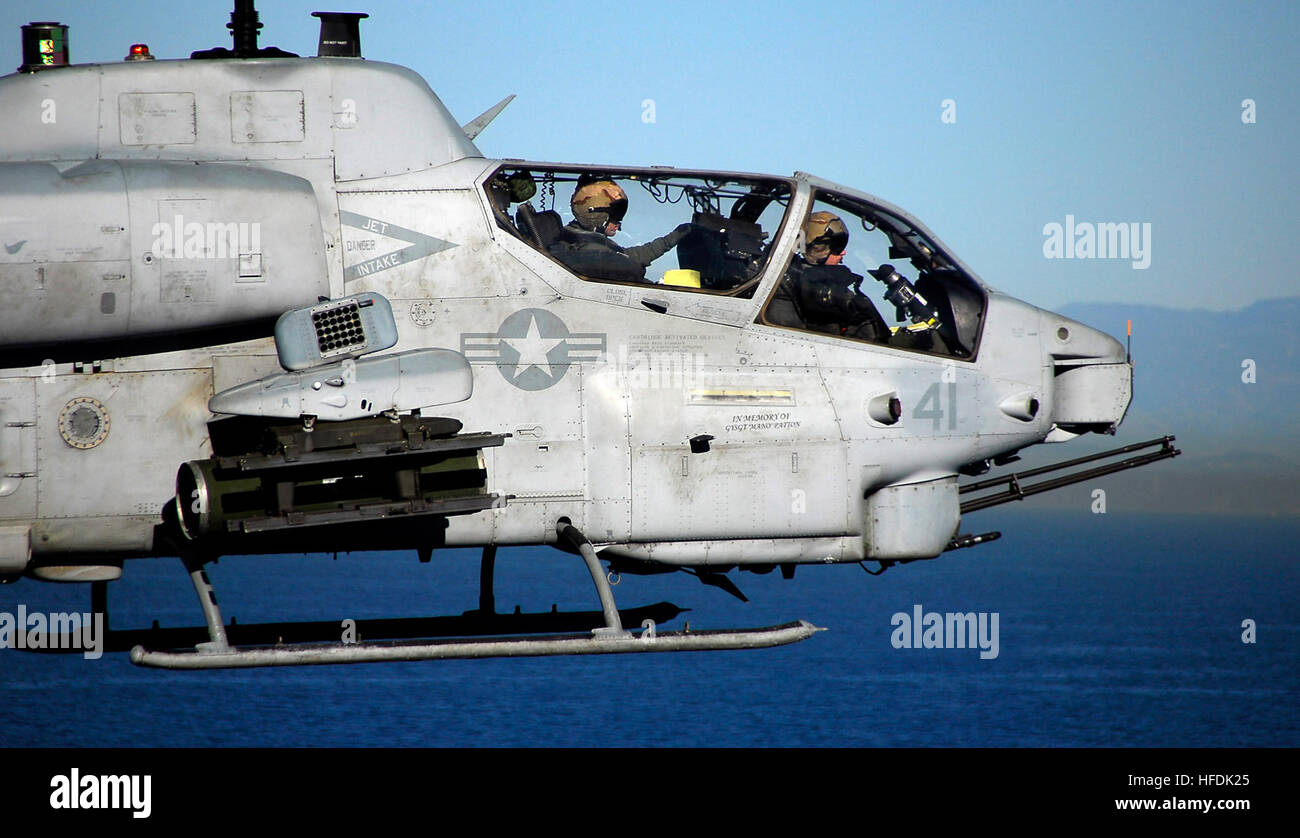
x,y
208,602
575,539
487,602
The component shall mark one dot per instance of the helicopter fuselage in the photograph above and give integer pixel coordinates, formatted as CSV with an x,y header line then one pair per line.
x,y
160,216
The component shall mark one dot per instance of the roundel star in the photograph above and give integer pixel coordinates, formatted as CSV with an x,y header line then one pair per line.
x,y
533,348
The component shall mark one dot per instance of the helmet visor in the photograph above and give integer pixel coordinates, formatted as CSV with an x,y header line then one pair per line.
x,y
616,210
836,242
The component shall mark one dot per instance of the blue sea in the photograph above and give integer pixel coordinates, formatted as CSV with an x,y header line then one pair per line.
x,y
1113,631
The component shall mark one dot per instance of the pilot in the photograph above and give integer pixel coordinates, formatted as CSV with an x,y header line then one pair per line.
x,y
598,208
820,293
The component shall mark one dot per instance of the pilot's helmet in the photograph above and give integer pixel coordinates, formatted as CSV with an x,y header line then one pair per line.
x,y
824,235
597,204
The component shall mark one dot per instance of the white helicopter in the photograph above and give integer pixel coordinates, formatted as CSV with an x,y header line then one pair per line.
x,y
252,302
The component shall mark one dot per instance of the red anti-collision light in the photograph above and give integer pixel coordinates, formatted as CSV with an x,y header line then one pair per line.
x,y
138,52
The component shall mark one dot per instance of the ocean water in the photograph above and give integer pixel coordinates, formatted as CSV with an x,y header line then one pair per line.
x,y
1112,631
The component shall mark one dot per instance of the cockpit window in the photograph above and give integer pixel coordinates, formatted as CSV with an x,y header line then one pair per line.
x,y
863,273
684,232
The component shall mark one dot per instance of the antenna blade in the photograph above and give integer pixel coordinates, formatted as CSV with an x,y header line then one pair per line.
x,y
476,125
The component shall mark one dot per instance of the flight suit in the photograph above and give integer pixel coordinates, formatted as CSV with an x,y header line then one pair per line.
x,y
825,298
596,255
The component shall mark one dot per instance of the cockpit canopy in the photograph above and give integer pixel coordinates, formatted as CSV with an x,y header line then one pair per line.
x,y
733,224
889,283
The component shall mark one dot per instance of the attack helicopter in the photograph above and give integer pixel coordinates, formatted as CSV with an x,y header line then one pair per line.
x,y
257,303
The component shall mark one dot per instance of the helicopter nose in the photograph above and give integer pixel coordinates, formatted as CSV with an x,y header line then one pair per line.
x,y
1092,375
1070,341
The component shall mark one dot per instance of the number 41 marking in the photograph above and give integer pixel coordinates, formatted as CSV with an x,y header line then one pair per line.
x,y
931,406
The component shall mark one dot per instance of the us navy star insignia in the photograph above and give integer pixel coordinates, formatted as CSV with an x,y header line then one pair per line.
x,y
533,348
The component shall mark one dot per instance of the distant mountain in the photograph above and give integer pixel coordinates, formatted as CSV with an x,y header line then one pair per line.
x,y
1188,368
1240,441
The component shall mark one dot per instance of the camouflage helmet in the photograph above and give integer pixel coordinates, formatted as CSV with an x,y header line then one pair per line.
x,y
824,235
598,203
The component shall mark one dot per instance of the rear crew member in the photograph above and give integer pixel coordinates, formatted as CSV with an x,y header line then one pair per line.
x,y
598,208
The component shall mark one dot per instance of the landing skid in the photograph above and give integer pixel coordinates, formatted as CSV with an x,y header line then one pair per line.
x,y
469,624
649,640
605,636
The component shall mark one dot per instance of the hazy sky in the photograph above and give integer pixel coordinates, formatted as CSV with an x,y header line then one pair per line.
x,y
1110,113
